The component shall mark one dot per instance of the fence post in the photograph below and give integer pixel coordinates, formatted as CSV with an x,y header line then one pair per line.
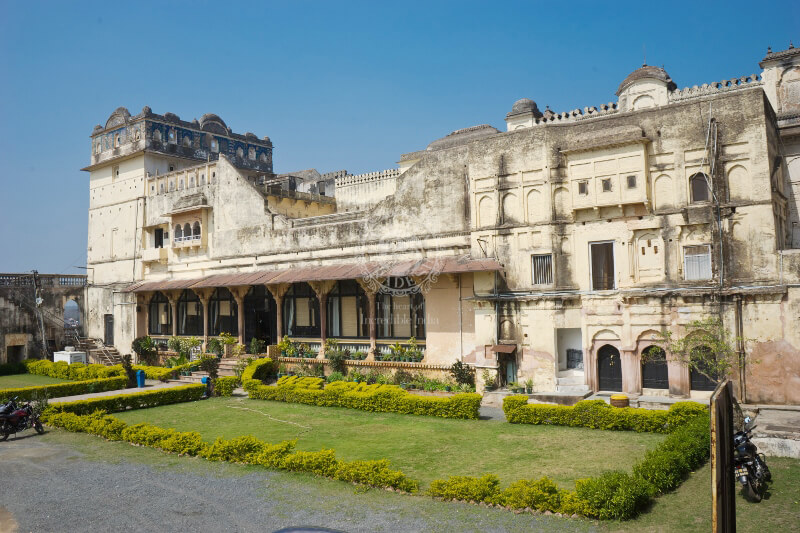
x,y
723,497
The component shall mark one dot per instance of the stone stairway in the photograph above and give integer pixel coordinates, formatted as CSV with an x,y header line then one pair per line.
x,y
226,368
96,350
571,381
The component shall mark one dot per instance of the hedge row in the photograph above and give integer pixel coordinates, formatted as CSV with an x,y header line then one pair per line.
x,y
246,449
136,400
376,398
225,385
597,414
65,389
74,371
7,369
613,495
161,373
259,369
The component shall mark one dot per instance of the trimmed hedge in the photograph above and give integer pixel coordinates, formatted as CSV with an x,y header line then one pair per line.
x,y
375,398
245,449
137,400
7,369
74,371
259,369
161,373
66,389
224,386
613,495
597,414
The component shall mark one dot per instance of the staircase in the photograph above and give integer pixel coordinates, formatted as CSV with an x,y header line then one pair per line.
x,y
95,349
226,368
571,381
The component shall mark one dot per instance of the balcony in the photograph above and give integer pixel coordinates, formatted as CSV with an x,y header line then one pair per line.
x,y
187,241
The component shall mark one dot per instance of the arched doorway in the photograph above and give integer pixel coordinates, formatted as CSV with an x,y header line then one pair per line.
x,y
260,314
609,368
702,369
654,368
72,316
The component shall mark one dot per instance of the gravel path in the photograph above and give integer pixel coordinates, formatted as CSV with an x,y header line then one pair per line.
x,y
72,482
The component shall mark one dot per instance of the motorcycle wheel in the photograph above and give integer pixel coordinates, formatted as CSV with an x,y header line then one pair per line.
x,y
751,492
764,468
38,427
4,433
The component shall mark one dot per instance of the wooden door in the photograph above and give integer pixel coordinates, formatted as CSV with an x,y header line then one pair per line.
x,y
609,369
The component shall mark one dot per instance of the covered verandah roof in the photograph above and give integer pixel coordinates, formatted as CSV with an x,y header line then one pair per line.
x,y
436,265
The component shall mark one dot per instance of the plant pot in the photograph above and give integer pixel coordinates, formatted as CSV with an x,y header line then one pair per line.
x,y
619,400
529,390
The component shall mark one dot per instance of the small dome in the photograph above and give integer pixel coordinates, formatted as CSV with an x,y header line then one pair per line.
x,y
118,117
212,122
647,72
524,105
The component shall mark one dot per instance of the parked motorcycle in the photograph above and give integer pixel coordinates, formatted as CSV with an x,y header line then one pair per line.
x,y
15,418
750,466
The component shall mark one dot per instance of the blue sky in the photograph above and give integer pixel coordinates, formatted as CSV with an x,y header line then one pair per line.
x,y
335,85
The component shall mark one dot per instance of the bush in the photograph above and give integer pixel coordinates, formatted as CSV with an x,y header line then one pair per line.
x,y
224,386
165,374
145,348
259,369
137,400
375,398
463,374
375,474
597,414
257,346
613,495
335,376
336,356
66,389
74,371
215,346
483,489
8,369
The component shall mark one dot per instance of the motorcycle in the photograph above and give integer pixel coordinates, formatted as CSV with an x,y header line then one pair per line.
x,y
750,466
15,418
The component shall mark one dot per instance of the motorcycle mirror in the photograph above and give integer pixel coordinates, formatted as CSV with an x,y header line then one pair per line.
x,y
747,420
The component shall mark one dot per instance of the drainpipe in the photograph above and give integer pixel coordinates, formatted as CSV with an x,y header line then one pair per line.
x,y
740,347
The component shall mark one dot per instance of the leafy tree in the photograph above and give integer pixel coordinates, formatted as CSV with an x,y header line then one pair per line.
x,y
146,349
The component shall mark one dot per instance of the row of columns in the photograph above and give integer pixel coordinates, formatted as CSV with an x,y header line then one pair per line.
x,y
321,288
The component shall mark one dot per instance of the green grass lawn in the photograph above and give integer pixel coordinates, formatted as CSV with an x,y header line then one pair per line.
x,y
424,448
16,381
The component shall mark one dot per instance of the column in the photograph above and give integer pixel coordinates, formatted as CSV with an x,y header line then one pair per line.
x,y
173,296
322,289
370,289
278,292
205,298
631,372
680,383
238,295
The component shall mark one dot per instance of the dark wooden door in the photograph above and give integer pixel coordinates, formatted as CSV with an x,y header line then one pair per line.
x,y
654,369
609,369
108,339
701,382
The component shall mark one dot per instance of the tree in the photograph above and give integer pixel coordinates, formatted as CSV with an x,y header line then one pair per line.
x,y
707,347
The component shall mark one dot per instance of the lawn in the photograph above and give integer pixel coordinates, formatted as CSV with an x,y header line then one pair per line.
x,y
425,448
16,381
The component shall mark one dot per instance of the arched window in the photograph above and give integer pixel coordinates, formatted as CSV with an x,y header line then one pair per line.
x,y
222,313
171,185
187,141
191,181
196,231
239,152
702,375
180,184
214,145
301,311
116,140
172,139
251,154
187,232
137,135
202,179
98,146
654,368
178,233
160,315
161,188
157,135
347,311
400,310
190,314
263,157
698,185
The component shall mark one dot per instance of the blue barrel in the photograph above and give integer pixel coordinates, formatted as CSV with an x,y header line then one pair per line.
x,y
140,378
204,380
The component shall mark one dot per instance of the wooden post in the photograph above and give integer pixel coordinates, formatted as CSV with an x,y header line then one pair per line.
x,y
278,292
238,294
370,291
322,288
723,496
173,297
205,298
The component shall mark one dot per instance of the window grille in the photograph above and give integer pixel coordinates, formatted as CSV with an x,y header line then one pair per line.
x,y
542,269
631,182
697,262
583,188
607,185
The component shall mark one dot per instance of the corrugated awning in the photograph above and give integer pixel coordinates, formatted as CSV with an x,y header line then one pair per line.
x,y
423,267
504,348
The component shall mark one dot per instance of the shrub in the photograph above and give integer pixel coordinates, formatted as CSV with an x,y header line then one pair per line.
x,y
613,495
242,449
224,386
463,374
8,369
375,474
335,376
210,364
376,398
215,346
260,369
74,371
483,489
66,389
542,494
145,348
257,346
137,400
321,463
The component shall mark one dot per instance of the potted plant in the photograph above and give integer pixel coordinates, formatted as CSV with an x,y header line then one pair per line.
x,y
529,386
228,341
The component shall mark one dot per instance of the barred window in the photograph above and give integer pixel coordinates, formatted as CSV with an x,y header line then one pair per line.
x,y
542,269
606,185
632,182
583,188
697,262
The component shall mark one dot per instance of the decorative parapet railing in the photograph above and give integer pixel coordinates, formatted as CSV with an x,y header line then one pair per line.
x,y
358,179
185,179
753,80
45,280
372,364
279,192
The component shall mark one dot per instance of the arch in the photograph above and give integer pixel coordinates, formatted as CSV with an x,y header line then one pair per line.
x,y
196,231
507,329
663,192
202,179
738,183
561,201
223,313
161,188
172,137
251,154
190,314
609,368
698,188
648,335
260,313
263,157
649,256
510,208
160,315
72,314
536,211
486,212
701,374
178,233
116,140
157,135
643,102
180,184
187,232
171,185
191,181
605,335
240,153
187,141
654,368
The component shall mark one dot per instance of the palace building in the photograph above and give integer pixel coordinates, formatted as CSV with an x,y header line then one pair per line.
x,y
555,250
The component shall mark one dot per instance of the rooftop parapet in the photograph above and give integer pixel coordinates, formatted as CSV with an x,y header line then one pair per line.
x,y
357,179
733,84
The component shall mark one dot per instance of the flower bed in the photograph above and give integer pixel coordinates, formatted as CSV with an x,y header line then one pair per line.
x,y
613,495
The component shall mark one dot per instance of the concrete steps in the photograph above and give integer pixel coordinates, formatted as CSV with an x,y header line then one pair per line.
x,y
571,383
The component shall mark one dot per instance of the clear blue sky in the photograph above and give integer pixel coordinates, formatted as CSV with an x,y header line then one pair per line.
x,y
336,85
